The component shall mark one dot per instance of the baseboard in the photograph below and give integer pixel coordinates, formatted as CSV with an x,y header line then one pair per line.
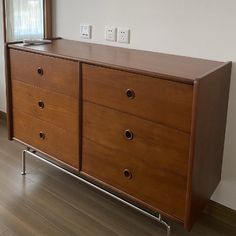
x,y
3,115
221,213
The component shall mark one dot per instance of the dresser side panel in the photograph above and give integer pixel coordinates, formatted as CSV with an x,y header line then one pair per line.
x,y
208,140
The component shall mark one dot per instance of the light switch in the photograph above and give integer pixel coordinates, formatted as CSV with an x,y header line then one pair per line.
x,y
110,33
86,31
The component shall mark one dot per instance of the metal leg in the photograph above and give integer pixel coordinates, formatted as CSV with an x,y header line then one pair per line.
x,y
23,163
168,230
157,217
163,222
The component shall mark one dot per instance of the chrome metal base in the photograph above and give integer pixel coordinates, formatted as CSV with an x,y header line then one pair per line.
x,y
157,217
23,172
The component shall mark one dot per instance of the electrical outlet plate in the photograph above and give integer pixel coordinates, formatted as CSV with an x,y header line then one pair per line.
x,y
123,35
86,31
111,33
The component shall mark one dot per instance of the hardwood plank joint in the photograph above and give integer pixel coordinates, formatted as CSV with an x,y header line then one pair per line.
x,y
221,213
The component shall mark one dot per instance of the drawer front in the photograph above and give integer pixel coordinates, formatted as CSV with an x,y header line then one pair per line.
x,y
162,101
145,160
49,73
46,137
55,108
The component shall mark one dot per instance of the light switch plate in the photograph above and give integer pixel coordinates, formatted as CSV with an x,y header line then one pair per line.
x,y
110,33
86,31
123,35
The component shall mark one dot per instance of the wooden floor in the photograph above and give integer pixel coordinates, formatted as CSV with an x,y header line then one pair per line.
x,y
49,202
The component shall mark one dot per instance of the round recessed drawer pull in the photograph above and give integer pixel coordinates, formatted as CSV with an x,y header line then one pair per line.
x,y
41,104
42,136
129,134
127,174
130,93
40,71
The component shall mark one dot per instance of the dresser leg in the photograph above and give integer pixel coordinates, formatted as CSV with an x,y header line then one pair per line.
x,y
23,172
23,163
163,222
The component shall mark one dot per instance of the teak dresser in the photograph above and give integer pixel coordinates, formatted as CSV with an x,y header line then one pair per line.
x,y
146,127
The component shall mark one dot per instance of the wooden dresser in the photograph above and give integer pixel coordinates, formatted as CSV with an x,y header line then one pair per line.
x,y
148,127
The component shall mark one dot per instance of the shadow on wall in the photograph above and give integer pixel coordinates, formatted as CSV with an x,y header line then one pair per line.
x,y
229,162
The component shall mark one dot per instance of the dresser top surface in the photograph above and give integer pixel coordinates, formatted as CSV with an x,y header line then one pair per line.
x,y
181,68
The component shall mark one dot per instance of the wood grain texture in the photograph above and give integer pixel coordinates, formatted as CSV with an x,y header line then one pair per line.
x,y
177,118
58,142
8,90
156,157
151,63
162,101
221,213
58,109
59,75
212,95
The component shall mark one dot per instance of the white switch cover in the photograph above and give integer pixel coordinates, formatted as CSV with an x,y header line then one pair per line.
x,y
123,35
86,31
110,33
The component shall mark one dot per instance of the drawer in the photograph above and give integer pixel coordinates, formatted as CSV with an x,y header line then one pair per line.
x,y
142,158
49,73
55,108
52,140
158,100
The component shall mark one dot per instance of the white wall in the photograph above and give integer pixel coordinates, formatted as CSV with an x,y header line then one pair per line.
x,y
2,78
201,28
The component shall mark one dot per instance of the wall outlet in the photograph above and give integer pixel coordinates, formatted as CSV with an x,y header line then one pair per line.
x,y
86,31
123,35
111,33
